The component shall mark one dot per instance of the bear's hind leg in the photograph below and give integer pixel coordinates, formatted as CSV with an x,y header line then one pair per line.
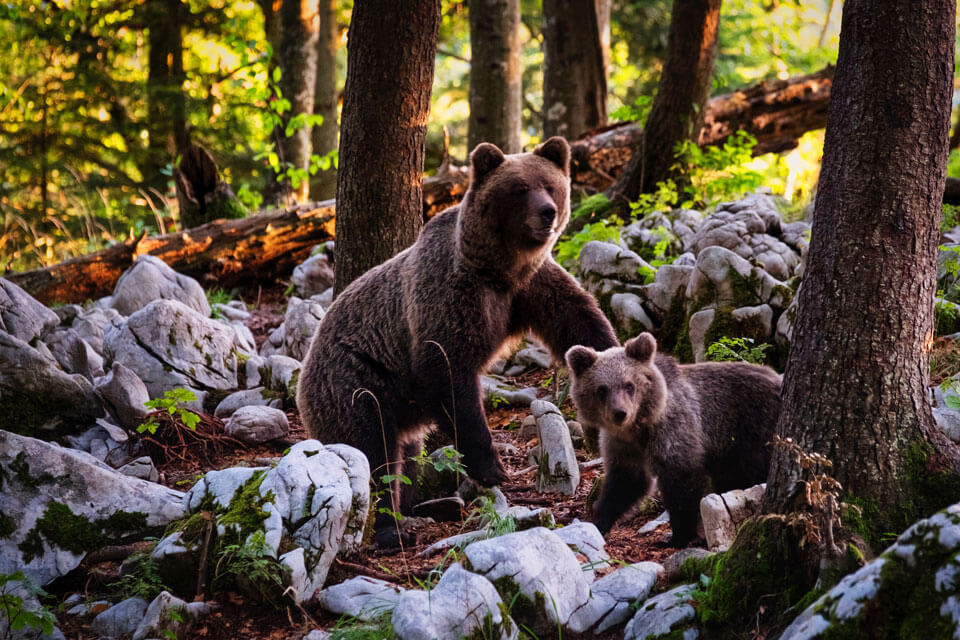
x,y
681,497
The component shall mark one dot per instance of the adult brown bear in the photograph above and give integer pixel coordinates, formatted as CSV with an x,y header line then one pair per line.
x,y
402,348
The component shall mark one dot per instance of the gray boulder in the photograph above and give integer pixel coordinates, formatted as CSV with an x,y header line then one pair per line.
x,y
629,316
62,503
292,338
167,615
142,468
256,424
722,514
668,614
613,596
315,274
121,619
461,605
105,441
150,279
246,398
537,572
124,395
21,315
360,597
499,393
169,345
73,353
585,539
37,397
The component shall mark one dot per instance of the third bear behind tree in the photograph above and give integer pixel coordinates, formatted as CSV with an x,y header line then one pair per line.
x,y
695,428
402,348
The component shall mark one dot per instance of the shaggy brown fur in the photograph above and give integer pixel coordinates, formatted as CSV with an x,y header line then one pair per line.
x,y
402,348
696,428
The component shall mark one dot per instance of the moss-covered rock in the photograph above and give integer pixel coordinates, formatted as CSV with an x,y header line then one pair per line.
x,y
911,591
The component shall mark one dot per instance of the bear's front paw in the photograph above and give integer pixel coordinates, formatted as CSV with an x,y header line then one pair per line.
x,y
489,475
392,538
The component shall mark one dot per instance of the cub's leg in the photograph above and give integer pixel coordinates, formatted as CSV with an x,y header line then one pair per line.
x,y
682,489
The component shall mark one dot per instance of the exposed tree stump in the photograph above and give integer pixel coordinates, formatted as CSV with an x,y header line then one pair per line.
x,y
202,195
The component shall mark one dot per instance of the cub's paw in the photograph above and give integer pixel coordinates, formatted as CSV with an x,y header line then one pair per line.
x,y
393,538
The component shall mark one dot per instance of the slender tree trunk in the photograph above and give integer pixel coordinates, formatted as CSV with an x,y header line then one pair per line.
x,y
386,106
323,184
855,388
296,55
574,66
166,105
495,74
677,111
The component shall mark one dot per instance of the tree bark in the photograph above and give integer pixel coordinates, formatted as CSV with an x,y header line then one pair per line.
x,y
201,193
166,105
323,184
678,109
224,253
574,66
855,388
386,106
495,74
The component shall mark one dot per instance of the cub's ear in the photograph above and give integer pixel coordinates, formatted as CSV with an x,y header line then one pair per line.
x,y
580,358
641,348
557,151
484,158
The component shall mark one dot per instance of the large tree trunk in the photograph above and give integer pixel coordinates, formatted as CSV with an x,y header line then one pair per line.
x,y
495,87
166,105
678,109
223,253
323,184
386,106
855,388
574,66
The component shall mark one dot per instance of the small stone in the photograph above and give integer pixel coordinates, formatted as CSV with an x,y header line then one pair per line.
x,y
256,424
360,597
120,619
666,613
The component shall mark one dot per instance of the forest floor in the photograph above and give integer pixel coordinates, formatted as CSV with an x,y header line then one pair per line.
x,y
240,618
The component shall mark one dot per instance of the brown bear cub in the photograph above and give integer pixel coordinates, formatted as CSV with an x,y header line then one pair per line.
x,y
695,428
402,348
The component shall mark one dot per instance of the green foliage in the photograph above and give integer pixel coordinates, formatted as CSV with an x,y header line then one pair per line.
x,y
664,199
141,579
636,112
728,349
591,207
251,564
216,295
567,251
949,217
483,514
12,609
718,173
170,402
450,462
350,628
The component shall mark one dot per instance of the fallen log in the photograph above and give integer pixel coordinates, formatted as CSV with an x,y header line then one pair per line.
x,y
223,253
775,112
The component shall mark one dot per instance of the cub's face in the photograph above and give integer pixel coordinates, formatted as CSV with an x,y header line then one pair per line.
x,y
525,198
620,389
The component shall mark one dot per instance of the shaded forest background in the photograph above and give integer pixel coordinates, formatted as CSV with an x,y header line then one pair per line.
x,y
100,98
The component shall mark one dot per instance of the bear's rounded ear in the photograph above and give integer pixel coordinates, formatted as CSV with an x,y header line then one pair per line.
x,y
557,151
641,348
484,158
580,358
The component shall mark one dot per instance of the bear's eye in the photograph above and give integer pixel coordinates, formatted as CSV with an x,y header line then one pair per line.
x,y
602,392
519,189
629,388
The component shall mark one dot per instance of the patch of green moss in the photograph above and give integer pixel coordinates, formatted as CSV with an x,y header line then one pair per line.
x,y
245,513
20,469
745,289
7,526
694,567
761,568
674,334
524,610
59,526
863,519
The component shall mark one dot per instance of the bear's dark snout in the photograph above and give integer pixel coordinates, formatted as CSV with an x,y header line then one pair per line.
x,y
548,213
619,415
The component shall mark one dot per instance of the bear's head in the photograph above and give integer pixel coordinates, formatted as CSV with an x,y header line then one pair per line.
x,y
620,389
522,200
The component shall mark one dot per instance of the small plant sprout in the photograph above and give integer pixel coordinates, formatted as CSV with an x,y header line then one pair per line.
x,y
171,403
